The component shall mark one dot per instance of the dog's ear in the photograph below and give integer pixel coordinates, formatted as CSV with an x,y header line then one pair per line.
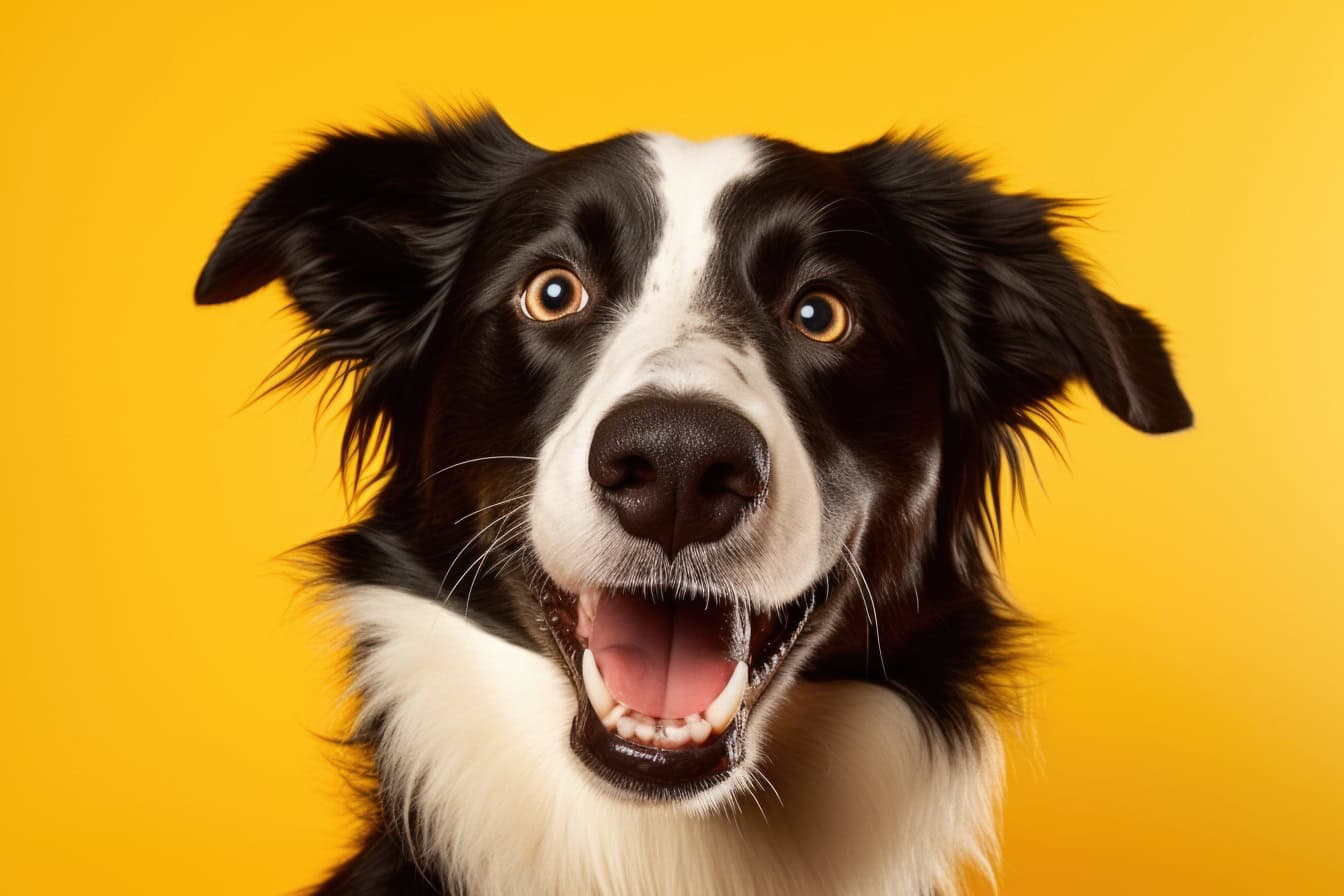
x,y
1017,317
366,228
368,231
333,221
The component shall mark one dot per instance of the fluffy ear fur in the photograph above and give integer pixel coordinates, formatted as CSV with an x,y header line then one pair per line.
x,y
367,231
1017,317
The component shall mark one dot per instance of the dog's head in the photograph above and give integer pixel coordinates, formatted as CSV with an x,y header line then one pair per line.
x,y
693,419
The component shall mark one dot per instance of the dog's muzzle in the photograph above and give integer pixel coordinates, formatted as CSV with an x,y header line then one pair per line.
x,y
667,672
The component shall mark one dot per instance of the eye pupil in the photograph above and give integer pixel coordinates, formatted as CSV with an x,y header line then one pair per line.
x,y
816,315
555,294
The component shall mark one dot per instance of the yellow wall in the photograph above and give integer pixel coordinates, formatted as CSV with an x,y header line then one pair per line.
x,y
161,684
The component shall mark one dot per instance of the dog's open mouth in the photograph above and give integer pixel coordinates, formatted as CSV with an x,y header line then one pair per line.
x,y
666,682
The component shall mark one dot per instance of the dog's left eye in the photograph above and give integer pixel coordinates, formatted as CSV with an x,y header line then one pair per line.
x,y
821,317
553,294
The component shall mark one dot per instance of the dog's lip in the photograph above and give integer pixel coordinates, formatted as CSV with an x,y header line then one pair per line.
x,y
653,772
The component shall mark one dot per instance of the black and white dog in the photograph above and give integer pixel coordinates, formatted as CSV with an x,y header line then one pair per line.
x,y
679,572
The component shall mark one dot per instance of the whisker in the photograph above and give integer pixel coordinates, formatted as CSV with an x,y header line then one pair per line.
x,y
471,588
771,784
459,554
854,572
449,596
476,460
862,580
461,519
751,792
853,230
499,565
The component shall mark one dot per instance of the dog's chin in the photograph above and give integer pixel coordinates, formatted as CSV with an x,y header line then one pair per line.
x,y
720,665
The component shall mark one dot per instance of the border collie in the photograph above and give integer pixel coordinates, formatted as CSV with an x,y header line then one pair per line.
x,y
686,459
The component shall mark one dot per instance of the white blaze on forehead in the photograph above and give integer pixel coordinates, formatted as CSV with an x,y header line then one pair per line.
x,y
668,339
692,178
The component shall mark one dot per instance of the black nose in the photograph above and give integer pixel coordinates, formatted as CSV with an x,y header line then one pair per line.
x,y
678,472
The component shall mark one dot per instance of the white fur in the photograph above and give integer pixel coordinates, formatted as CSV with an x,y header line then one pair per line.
x,y
476,736
662,342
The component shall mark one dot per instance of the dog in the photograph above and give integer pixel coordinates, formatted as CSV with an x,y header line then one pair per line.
x,y
685,463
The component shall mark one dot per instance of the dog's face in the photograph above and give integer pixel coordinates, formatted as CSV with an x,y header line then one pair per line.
x,y
706,325
691,419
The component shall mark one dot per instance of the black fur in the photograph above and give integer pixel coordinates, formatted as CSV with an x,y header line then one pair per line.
x,y
401,250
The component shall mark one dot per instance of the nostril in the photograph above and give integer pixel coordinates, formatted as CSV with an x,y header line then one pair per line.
x,y
635,471
748,480
619,472
716,480
729,478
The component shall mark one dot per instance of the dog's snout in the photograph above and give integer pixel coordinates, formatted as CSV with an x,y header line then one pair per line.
x,y
678,471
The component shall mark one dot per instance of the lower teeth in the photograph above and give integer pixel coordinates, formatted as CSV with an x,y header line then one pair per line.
x,y
665,733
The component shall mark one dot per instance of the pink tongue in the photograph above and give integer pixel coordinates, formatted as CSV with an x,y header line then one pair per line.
x,y
665,660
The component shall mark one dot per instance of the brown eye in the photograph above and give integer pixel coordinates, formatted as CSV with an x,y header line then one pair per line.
x,y
821,317
553,294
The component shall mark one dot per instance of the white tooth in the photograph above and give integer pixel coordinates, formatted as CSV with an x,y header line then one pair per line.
x,y
724,707
693,717
588,598
610,719
700,731
675,735
598,694
644,731
625,727
583,626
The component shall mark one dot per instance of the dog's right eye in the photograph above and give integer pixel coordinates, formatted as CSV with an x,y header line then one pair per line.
x,y
553,294
822,317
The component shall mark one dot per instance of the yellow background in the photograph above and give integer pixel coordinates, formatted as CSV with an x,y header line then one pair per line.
x,y
162,686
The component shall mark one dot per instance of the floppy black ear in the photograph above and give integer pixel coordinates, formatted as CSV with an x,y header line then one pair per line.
x,y
1033,321
334,221
366,228
367,231
1018,317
